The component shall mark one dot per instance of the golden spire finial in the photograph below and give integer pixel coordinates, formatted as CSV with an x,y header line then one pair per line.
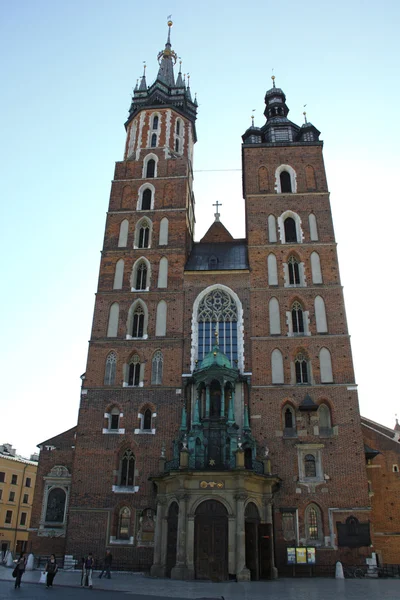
x,y
169,22
305,116
273,80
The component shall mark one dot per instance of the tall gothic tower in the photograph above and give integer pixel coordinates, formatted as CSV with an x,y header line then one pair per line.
x,y
219,423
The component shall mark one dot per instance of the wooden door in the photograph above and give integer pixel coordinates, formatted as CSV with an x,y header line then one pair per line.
x,y
211,542
266,549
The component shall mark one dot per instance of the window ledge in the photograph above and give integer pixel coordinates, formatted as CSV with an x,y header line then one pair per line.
x,y
129,337
145,431
146,289
125,489
126,385
116,542
115,431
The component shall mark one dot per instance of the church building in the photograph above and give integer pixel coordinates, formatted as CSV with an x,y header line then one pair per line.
x,y
219,433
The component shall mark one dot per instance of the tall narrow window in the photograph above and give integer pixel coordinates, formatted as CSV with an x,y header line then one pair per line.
x,y
119,275
288,419
277,366
163,237
151,168
312,525
146,199
153,140
123,233
286,184
294,271
324,415
272,229
138,322
316,268
155,122
144,235
157,368
176,145
274,317
290,230
127,473
114,419
112,329
320,315
134,371
147,420
141,276
178,127
124,522
310,469
325,365
297,318
111,364
272,270
301,367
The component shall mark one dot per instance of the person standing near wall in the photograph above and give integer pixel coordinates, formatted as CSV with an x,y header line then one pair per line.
x,y
19,569
51,570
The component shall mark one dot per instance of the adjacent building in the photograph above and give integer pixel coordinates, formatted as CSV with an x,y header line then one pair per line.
x,y
219,426
17,484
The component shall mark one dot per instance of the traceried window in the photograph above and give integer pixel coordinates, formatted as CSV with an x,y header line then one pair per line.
x,y
157,368
141,278
313,525
297,318
144,235
111,364
218,310
127,469
310,469
294,271
301,367
134,371
138,322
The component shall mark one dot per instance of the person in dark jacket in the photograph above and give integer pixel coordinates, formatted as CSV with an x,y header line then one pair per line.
x,y
51,570
107,565
20,569
89,565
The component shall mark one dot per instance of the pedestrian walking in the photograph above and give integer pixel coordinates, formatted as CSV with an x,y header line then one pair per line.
x,y
107,565
88,576
19,570
51,570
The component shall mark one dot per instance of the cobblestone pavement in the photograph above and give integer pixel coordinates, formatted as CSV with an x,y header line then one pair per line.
x,y
138,586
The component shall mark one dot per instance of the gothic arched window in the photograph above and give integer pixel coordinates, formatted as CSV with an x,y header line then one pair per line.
x,y
178,127
114,419
313,524
288,419
176,145
127,469
297,318
218,310
146,199
151,168
157,368
111,364
155,122
138,322
294,271
290,230
134,371
286,184
147,419
144,235
141,276
153,143
301,367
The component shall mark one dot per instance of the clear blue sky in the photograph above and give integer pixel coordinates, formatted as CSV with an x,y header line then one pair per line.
x,y
67,72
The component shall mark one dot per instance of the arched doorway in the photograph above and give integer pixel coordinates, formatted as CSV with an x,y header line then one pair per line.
x,y
172,537
211,541
252,521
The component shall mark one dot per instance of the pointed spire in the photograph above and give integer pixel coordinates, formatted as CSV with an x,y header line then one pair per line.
x,y
179,81
167,59
195,100
136,86
143,84
188,94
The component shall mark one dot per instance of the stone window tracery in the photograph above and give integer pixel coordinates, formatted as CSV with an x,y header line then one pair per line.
x,y
218,310
111,365
134,371
157,368
301,367
127,469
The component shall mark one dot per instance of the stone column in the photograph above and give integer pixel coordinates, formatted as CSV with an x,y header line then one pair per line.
x,y
190,547
180,569
268,519
242,573
157,569
223,400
